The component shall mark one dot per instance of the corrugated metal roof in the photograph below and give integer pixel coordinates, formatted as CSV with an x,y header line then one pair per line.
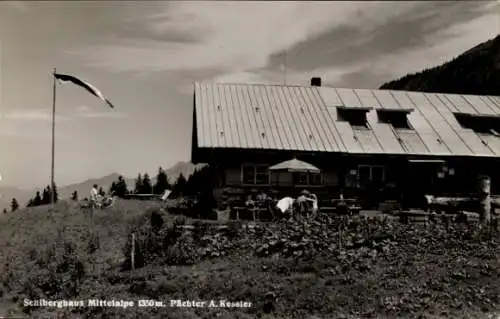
x,y
305,119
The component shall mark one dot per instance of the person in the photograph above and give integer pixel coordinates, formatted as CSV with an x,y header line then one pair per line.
x,y
307,203
94,196
250,202
262,196
314,200
285,206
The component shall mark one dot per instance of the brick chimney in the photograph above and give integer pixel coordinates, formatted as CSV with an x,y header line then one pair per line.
x,y
315,81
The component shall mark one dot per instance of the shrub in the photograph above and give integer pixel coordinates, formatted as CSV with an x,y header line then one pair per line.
x,y
233,229
59,274
180,221
183,252
156,221
93,244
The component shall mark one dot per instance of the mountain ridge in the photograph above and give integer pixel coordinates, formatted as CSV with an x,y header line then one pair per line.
x,y
475,71
83,188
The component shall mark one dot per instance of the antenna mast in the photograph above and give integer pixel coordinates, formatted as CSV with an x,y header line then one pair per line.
x,y
284,67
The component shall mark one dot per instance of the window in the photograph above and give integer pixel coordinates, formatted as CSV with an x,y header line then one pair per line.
x,y
248,174
398,119
377,174
261,175
364,173
367,174
355,116
300,178
304,179
255,175
315,179
479,124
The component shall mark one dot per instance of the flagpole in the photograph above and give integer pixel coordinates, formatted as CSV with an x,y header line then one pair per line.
x,y
52,184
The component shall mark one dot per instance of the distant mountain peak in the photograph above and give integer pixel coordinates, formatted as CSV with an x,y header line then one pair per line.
x,y
475,71
83,188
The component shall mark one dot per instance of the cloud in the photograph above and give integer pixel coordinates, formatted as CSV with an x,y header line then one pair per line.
x,y
164,27
388,67
44,115
331,76
83,108
104,115
33,115
244,77
22,6
233,38
347,43
387,29
84,111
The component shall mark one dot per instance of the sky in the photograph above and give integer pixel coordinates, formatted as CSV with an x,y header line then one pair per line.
x,y
145,56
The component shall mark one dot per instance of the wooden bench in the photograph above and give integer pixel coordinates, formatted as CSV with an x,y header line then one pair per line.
x,y
413,215
256,211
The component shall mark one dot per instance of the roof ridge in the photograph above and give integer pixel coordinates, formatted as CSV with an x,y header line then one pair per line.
x,y
329,87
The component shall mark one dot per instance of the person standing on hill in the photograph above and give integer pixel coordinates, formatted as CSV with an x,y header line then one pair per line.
x,y
94,194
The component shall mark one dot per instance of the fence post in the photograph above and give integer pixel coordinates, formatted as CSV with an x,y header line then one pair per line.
x,y
91,215
484,199
132,252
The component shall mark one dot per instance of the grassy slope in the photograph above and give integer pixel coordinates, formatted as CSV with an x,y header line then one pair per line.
x,y
326,284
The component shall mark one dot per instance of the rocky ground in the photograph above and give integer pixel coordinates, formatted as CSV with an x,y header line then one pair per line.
x,y
329,268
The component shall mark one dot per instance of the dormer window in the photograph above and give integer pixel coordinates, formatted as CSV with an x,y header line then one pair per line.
x,y
481,124
355,116
397,118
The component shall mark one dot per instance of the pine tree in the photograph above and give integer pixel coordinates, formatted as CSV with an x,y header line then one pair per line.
x,y
138,184
146,187
161,182
14,205
37,201
112,188
56,195
180,186
121,187
45,196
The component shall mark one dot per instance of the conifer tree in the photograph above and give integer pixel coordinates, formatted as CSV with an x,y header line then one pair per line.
x,y
138,184
121,187
112,188
146,187
14,205
46,196
37,201
56,195
180,186
161,182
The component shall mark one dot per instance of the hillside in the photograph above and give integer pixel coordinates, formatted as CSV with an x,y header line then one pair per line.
x,y
476,71
370,269
7,193
83,188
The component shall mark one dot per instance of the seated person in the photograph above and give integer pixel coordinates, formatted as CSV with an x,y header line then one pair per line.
x,y
262,196
250,202
285,206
